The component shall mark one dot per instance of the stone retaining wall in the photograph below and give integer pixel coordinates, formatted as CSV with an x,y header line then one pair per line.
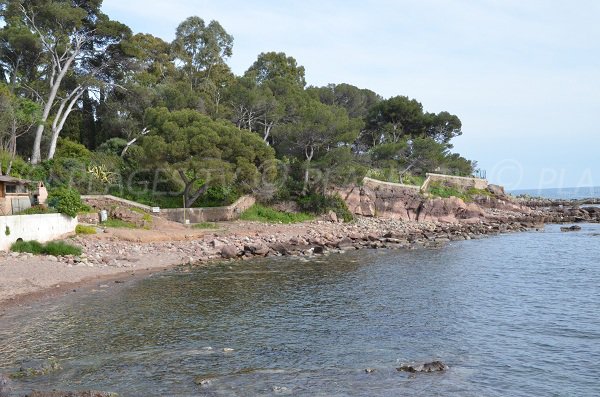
x,y
208,214
41,227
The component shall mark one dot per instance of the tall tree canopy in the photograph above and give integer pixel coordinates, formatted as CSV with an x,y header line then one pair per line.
x,y
203,152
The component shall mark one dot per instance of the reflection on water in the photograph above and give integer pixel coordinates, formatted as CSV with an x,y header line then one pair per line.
x,y
512,315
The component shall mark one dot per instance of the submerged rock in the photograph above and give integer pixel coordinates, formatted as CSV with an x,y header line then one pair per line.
x,y
433,366
56,393
31,369
4,386
573,228
203,381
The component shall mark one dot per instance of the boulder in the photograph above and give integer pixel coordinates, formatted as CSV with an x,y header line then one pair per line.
x,y
229,252
331,216
433,366
257,249
496,190
573,228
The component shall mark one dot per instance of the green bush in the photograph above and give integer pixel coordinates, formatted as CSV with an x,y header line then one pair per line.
x,y
56,248
67,148
217,196
320,204
60,248
33,247
261,213
438,189
66,201
35,210
445,191
83,229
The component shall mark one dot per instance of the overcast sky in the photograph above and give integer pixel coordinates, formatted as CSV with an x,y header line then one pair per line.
x,y
523,76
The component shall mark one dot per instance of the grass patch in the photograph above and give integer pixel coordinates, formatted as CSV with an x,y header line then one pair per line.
x,y
205,225
56,248
119,223
445,191
83,229
260,213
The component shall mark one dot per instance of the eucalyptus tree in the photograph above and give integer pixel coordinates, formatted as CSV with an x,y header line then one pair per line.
x,y
72,40
202,50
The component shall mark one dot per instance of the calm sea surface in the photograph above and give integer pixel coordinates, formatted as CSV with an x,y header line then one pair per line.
x,y
566,193
513,315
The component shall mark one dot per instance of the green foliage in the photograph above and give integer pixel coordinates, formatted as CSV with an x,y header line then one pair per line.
x,y
19,169
66,201
56,248
445,190
67,148
217,196
205,225
7,231
113,146
84,229
204,153
260,213
35,210
321,204
392,175
118,223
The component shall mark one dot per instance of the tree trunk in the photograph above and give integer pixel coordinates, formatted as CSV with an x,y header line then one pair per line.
x,y
309,153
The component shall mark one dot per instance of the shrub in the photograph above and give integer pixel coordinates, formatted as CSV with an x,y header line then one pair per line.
x,y
35,210
66,201
33,247
261,213
56,248
67,148
320,204
60,248
83,229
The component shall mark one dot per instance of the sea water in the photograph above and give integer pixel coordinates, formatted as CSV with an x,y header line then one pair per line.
x,y
511,315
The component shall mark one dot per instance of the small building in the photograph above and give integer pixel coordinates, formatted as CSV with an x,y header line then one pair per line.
x,y
16,194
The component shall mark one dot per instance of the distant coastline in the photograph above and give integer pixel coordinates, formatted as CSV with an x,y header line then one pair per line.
x,y
566,193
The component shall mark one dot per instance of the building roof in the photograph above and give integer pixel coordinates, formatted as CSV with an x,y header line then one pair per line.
x,y
10,179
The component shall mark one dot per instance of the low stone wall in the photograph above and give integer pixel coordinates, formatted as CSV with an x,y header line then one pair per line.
x,y
374,183
208,214
118,200
42,228
464,182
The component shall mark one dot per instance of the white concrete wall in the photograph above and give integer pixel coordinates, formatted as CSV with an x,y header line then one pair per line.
x,y
42,227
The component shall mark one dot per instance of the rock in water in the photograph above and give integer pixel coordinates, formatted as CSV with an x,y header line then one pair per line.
x,y
433,366
573,228
4,386
71,394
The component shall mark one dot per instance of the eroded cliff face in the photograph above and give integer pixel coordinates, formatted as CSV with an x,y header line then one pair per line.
x,y
406,203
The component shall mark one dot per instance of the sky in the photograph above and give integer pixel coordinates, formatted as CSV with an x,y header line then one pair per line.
x,y
523,76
